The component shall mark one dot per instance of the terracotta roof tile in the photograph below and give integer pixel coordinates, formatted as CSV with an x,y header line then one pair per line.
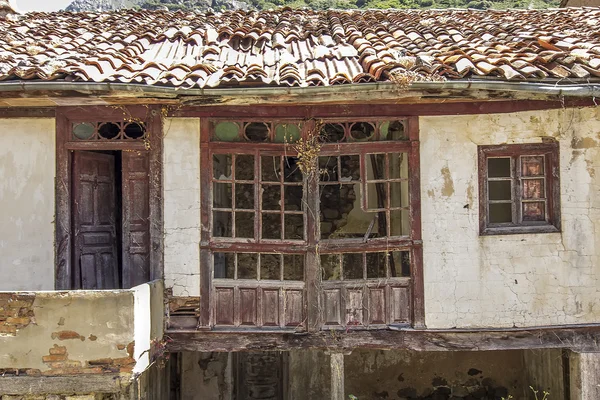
x,y
298,47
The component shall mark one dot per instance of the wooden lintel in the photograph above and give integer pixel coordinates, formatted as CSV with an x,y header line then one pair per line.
x,y
432,108
579,338
80,384
27,112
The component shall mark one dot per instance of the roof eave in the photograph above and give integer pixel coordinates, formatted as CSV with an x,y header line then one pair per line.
x,y
379,91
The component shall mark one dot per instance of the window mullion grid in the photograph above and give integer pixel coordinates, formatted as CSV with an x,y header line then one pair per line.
x,y
282,197
518,189
257,197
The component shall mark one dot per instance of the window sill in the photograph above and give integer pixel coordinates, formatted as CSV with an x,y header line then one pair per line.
x,y
516,230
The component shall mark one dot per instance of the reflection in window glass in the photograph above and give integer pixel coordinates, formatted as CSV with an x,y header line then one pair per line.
x,y
224,265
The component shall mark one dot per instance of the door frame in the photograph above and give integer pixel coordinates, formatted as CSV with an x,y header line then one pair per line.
x,y
65,117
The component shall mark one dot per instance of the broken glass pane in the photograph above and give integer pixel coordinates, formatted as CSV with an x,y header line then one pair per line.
x,y
294,226
222,166
342,215
246,265
376,265
330,265
257,132
293,198
376,196
352,265
399,223
375,166
328,169
399,194
293,267
398,165
332,133
362,131
244,196
350,168
244,167
400,264
393,130
271,226
244,224
270,168
271,197
270,266
291,172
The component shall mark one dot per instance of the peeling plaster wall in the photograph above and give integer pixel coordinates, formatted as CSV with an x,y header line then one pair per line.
x,y
181,163
509,280
206,375
27,169
69,333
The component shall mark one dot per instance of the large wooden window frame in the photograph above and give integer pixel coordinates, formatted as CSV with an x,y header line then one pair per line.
x,y
66,118
210,244
551,188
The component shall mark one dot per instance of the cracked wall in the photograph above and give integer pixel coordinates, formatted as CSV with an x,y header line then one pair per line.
x,y
509,280
27,167
181,163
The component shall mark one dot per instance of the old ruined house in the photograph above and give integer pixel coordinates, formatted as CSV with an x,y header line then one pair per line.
x,y
300,205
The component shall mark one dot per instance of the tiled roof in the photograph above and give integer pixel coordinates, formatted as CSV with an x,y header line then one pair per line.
x,y
300,48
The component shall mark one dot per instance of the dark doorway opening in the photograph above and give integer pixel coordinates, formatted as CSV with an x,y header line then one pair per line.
x,y
110,217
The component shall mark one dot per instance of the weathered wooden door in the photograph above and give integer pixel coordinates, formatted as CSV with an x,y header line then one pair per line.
x,y
136,218
95,221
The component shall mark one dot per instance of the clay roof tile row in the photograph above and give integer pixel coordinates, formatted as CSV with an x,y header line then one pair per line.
x,y
300,47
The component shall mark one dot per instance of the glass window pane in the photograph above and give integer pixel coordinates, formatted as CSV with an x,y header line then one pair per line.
x,y
376,265
500,190
270,266
342,215
377,196
400,264
532,166
293,198
227,131
375,166
533,189
224,265
222,224
393,130
270,167
221,195
499,167
535,211
244,167
247,265
399,223
287,133
398,165
330,265
271,226
352,265
291,171
271,197
244,196
84,131
399,194
350,168
500,212
222,166
362,131
332,133
244,224
293,267
257,132
294,226
328,169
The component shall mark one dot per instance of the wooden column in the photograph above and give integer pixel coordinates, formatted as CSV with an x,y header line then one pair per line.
x,y
584,373
337,376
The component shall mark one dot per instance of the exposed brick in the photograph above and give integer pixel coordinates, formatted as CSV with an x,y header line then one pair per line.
x,y
67,335
58,350
54,358
94,370
8,330
33,372
121,347
65,364
123,361
81,397
101,361
18,320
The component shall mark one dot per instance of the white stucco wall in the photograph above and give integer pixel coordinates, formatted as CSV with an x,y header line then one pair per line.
x,y
181,161
509,280
27,169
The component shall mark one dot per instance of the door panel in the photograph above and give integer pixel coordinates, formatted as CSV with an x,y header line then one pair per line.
x,y
95,221
136,219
